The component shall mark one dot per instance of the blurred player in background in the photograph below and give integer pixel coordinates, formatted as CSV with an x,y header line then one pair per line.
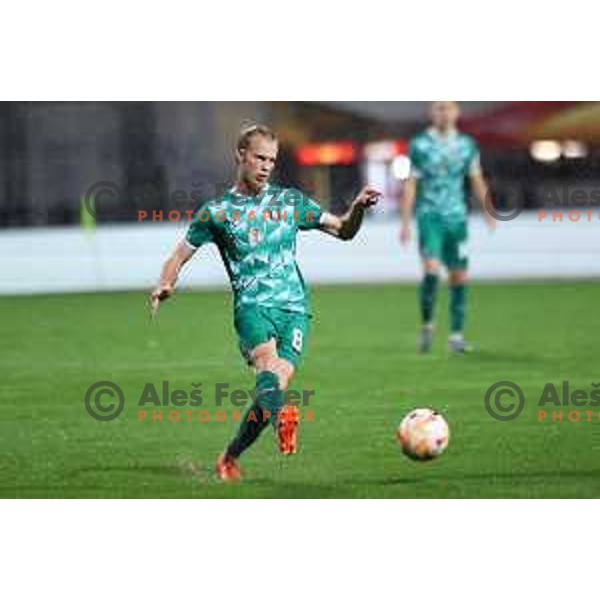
x,y
257,242
442,160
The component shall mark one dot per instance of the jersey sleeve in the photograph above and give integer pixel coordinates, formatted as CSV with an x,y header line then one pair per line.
x,y
416,160
200,230
308,213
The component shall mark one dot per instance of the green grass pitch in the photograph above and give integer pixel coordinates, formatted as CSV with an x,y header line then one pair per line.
x,y
361,363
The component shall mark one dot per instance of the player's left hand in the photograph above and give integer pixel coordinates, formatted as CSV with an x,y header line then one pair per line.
x,y
367,197
491,223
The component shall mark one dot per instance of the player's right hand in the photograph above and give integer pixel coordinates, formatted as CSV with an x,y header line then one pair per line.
x,y
405,235
161,293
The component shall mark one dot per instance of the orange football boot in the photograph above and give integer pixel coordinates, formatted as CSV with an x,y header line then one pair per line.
x,y
227,469
288,421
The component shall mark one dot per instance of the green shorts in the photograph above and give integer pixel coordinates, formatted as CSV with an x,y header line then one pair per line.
x,y
255,326
444,241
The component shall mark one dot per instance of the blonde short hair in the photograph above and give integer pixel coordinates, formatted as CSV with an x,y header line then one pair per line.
x,y
247,132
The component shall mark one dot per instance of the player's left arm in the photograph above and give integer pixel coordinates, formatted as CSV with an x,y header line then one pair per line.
x,y
346,227
481,192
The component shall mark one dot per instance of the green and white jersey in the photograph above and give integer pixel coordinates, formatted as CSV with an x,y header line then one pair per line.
x,y
441,164
256,237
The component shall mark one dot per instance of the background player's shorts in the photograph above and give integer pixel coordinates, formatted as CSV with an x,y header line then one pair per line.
x,y
255,326
445,241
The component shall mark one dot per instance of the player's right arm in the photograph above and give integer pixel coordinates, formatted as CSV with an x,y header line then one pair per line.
x,y
199,233
169,274
407,207
409,195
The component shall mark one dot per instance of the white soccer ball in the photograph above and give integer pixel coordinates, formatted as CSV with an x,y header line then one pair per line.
x,y
423,434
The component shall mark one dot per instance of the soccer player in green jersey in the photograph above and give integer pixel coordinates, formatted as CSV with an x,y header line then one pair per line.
x,y
254,225
442,160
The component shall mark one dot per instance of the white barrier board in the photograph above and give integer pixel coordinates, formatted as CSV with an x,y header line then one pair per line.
x,y
129,257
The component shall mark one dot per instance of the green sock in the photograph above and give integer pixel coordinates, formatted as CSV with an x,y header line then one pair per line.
x,y
427,296
252,425
269,399
458,308
268,394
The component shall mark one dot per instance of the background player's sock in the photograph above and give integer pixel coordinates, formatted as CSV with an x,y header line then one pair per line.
x,y
269,400
458,308
427,296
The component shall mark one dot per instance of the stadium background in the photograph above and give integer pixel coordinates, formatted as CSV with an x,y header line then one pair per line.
x,y
163,156
55,346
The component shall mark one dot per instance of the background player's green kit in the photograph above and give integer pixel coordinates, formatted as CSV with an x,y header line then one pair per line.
x,y
441,164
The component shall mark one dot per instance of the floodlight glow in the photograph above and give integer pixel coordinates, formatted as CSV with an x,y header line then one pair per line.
x,y
545,150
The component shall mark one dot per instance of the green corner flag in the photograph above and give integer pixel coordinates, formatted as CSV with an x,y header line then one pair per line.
x,y
87,218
